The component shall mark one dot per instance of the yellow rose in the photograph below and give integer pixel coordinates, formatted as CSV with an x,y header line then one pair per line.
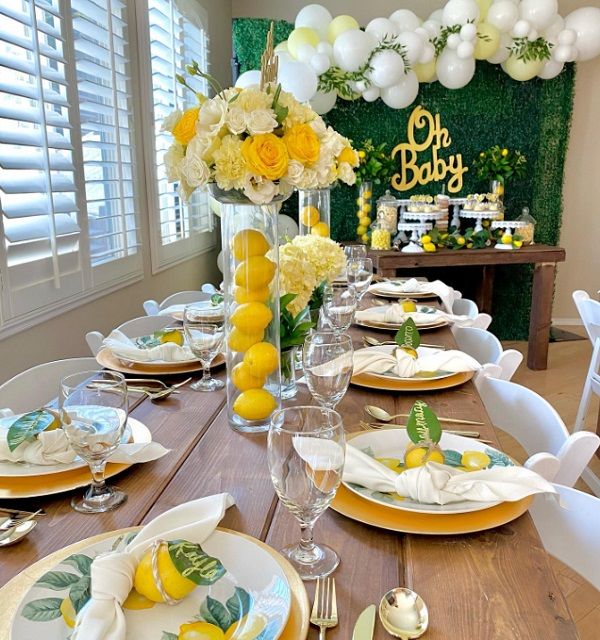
x,y
349,155
185,129
302,144
266,155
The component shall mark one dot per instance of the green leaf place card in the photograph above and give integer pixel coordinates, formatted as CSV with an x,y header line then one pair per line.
x,y
408,335
25,428
423,425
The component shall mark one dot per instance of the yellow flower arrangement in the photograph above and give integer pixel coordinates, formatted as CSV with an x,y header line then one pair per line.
x,y
265,155
326,256
302,144
185,129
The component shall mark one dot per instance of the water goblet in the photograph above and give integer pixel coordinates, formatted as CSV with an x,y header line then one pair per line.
x,y
360,275
339,305
93,408
327,360
355,251
305,453
205,342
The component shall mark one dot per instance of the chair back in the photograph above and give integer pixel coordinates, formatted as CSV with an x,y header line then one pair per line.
x,y
33,388
589,312
184,297
464,307
142,326
570,532
509,362
479,344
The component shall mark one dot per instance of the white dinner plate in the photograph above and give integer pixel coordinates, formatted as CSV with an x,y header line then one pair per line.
x,y
391,444
381,290
254,581
433,322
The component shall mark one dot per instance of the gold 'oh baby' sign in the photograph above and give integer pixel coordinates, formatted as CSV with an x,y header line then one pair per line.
x,y
411,172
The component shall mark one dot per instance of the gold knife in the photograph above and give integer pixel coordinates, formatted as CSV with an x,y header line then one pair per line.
x,y
365,624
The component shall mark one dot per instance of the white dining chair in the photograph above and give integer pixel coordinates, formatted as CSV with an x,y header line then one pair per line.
x,y
535,424
35,387
589,312
465,307
153,308
569,530
142,326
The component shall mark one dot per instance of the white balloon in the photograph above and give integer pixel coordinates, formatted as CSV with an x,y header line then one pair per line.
x,y
371,94
402,94
299,79
465,50
352,48
413,46
305,52
503,15
387,69
282,46
454,72
422,33
539,12
453,41
326,48
284,57
382,28
360,85
248,79
468,32
586,23
433,27
521,29
322,102
567,36
460,12
437,16
320,63
533,35
551,69
503,50
406,20
315,17
428,54
562,53
286,228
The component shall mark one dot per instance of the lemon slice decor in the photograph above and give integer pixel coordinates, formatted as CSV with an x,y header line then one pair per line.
x,y
425,431
408,338
27,427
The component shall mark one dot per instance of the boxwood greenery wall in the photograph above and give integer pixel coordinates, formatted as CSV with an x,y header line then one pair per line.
x,y
492,109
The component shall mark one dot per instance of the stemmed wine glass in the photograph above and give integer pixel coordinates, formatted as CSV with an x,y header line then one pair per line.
x,y
327,361
306,452
205,340
93,408
355,251
339,305
360,274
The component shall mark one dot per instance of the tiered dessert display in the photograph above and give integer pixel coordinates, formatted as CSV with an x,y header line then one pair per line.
x,y
483,208
506,239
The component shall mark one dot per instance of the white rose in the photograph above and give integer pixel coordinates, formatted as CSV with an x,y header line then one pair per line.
x,y
236,120
308,180
346,173
318,126
194,169
294,172
211,117
171,120
261,121
173,159
325,172
185,190
260,191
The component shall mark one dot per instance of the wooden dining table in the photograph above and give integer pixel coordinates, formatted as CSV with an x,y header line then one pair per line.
x,y
492,585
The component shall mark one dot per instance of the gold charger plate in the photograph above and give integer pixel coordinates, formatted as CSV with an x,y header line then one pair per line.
x,y
382,383
13,592
13,487
355,508
108,360
384,326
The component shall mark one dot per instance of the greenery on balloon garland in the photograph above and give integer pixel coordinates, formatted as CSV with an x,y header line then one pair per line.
x,y
533,117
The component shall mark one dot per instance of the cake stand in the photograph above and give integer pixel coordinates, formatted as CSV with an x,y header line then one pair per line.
x,y
480,216
507,226
416,230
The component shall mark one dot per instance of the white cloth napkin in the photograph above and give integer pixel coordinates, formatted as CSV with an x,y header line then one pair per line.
x,y
436,483
124,347
395,314
445,293
112,573
390,359
211,310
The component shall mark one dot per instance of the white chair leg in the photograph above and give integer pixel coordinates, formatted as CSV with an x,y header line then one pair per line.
x,y
592,481
587,388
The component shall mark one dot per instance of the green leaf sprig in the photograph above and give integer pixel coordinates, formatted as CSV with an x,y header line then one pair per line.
x,y
375,165
530,50
423,426
293,329
500,163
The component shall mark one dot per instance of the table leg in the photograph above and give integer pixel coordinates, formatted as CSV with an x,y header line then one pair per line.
x,y
541,315
386,273
485,289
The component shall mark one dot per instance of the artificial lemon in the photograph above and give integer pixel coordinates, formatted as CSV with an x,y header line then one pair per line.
x,y
418,456
408,306
172,336
249,242
365,237
506,239
254,273
200,631
361,230
517,244
242,378
366,194
251,317
242,295
68,612
241,341
365,221
254,404
309,216
56,422
391,463
425,239
174,584
359,214
320,229
359,202
475,460
460,240
429,247
136,601
410,350
248,627
367,207
262,359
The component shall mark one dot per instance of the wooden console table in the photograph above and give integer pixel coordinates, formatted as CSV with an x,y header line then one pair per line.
x,y
544,257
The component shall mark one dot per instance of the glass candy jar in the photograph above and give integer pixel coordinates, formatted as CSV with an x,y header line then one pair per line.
x,y
387,210
527,230
381,236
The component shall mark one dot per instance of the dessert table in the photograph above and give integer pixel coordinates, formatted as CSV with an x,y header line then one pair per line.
x,y
491,585
544,257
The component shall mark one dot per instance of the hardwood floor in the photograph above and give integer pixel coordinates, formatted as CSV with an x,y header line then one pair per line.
x,y
561,384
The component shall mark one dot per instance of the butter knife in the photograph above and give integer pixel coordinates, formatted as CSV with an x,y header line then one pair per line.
x,y
365,624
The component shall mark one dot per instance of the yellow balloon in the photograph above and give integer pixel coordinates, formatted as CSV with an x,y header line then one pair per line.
x,y
425,72
521,70
302,35
484,7
282,46
340,24
487,42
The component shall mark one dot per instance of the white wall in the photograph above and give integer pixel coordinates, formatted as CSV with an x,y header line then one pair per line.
x,y
580,233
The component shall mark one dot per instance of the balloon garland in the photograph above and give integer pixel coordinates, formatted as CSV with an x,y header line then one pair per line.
x,y
326,58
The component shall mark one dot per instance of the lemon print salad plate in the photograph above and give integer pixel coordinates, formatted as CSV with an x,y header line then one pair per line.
x,y
425,317
389,447
250,599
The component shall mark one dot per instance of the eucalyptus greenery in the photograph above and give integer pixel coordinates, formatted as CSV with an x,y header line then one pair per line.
x,y
529,50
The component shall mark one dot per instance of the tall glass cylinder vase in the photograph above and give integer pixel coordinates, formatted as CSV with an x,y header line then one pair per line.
x,y
251,309
364,211
314,212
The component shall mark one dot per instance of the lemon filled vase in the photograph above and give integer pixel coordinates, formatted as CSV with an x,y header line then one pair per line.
x,y
314,212
251,309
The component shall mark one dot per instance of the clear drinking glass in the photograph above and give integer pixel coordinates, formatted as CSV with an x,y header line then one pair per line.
x,y
339,305
93,407
205,341
360,274
355,251
305,452
327,360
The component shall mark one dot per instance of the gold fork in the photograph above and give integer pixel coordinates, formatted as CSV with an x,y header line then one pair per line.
x,y
324,612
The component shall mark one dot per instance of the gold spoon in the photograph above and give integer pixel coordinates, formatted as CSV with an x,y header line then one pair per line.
x,y
404,614
374,426
373,342
383,416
